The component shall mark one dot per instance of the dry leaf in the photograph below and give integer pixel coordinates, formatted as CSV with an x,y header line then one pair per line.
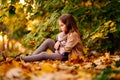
x,y
87,65
14,73
98,62
101,67
115,58
47,67
107,55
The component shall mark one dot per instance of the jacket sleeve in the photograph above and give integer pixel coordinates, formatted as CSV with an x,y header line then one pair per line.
x,y
72,41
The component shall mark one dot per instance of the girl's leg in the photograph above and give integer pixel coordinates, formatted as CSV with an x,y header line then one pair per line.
x,y
42,56
48,43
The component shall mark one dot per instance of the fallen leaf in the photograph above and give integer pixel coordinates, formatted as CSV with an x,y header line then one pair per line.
x,y
101,67
14,73
47,67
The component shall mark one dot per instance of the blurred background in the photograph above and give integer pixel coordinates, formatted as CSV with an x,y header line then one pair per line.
x,y
25,24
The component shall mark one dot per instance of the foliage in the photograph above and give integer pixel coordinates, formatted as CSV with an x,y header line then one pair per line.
x,y
35,20
3,29
105,74
97,20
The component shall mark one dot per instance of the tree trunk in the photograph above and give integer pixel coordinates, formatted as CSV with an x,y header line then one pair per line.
x,y
3,48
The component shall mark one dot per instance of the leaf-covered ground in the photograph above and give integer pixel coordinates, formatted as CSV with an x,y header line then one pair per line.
x,y
104,67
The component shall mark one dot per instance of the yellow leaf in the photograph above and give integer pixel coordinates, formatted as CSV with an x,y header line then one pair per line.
x,y
112,24
88,3
6,20
85,49
49,51
107,55
107,23
98,35
47,67
113,29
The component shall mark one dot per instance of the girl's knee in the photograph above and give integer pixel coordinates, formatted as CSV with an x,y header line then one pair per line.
x,y
49,40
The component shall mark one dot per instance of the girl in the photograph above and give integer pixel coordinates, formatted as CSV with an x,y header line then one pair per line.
x,y
71,50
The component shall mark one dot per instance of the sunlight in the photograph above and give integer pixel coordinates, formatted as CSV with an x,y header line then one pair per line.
x,y
5,38
0,38
29,28
22,1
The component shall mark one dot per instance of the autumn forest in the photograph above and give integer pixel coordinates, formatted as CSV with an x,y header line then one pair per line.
x,y
25,24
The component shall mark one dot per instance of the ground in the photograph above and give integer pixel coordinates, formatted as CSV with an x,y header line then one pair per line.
x,y
102,67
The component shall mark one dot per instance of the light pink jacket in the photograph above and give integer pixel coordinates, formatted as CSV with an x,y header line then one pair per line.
x,y
73,46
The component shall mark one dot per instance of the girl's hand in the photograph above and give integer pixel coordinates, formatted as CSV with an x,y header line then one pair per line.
x,y
57,44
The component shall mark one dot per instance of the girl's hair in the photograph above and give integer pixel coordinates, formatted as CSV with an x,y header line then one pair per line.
x,y
70,23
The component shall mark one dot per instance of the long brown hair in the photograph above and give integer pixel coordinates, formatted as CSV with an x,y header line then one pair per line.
x,y
70,23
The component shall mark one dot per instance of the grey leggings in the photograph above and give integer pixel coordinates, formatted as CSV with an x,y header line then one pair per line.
x,y
40,54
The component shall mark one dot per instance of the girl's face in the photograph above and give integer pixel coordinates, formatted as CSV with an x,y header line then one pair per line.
x,y
63,27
